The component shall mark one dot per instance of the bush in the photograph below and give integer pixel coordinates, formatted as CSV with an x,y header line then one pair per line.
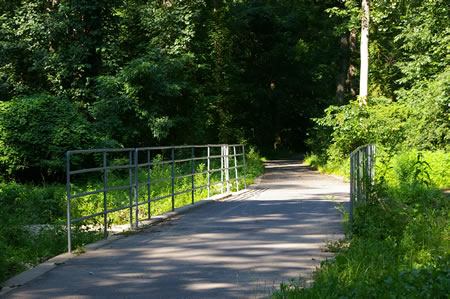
x,y
27,204
36,131
418,119
254,165
399,246
414,168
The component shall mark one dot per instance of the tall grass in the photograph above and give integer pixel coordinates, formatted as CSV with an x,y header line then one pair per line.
x,y
33,218
399,246
321,163
92,204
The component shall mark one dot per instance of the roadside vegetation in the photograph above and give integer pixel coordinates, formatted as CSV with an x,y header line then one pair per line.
x,y
399,245
279,76
33,218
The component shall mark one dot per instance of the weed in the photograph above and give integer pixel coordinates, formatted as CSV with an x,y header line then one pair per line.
x,y
399,246
23,206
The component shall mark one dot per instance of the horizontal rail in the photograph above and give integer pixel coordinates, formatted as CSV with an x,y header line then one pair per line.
x,y
146,164
160,180
135,169
100,213
182,147
101,191
159,162
101,168
102,150
362,174
162,197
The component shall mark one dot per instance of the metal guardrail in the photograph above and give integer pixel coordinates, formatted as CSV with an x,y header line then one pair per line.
x,y
362,174
133,166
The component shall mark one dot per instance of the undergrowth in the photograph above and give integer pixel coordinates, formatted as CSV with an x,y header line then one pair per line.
x,y
399,246
324,165
33,218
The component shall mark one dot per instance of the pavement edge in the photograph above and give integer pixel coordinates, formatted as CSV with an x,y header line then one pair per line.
x,y
33,273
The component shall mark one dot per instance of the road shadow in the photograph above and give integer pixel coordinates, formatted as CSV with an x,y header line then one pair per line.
x,y
241,247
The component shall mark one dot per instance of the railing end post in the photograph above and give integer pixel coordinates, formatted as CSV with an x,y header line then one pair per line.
x,y
69,231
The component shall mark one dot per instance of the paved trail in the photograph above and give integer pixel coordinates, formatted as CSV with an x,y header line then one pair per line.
x,y
239,247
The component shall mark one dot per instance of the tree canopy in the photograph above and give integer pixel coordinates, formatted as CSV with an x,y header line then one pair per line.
x,y
147,72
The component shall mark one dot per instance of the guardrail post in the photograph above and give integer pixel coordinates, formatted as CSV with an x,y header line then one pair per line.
x,y
365,173
148,181
173,178
130,172
362,175
235,168
133,186
209,175
192,172
221,168
351,190
358,176
69,221
105,208
372,163
227,166
245,170
136,182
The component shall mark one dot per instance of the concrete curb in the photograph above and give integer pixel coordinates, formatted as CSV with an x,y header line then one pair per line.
x,y
54,262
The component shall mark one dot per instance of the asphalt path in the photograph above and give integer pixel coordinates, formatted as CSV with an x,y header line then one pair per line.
x,y
240,247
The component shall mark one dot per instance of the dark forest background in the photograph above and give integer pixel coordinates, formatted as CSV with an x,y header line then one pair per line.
x,y
77,74
280,76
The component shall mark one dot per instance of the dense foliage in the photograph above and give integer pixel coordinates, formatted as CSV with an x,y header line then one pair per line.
x,y
80,74
408,102
32,218
142,73
34,137
398,246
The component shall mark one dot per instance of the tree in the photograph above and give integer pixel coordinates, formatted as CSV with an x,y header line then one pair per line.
x,y
364,70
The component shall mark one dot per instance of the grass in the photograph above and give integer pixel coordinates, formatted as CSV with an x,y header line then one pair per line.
x,y
26,206
321,163
399,246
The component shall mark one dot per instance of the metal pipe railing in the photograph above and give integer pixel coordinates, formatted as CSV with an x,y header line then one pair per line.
x,y
133,185
362,175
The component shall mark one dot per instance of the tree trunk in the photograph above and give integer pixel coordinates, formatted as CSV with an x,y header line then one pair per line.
x,y
341,78
364,71
349,82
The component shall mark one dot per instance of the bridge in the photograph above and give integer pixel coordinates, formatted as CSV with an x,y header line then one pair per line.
x,y
240,246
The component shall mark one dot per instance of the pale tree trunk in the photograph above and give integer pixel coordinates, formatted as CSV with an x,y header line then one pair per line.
x,y
364,71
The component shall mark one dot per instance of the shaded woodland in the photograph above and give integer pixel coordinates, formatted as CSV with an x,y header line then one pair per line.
x,y
144,73
78,74
280,76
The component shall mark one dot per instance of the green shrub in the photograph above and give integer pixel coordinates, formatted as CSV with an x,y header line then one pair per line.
x,y
413,168
27,204
418,119
36,131
254,165
399,246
